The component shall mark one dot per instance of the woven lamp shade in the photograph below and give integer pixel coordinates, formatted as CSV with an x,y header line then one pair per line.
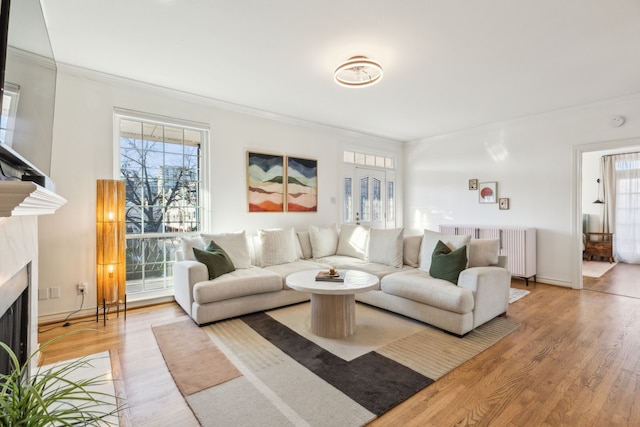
x,y
110,242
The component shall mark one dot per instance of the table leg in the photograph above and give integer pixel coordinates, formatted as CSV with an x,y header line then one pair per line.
x,y
333,316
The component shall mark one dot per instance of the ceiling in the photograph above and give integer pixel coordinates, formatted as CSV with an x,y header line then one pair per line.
x,y
448,65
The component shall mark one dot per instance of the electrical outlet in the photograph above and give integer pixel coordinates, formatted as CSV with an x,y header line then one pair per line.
x,y
43,293
54,292
82,288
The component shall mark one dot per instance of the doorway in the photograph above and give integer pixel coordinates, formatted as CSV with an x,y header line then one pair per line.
x,y
621,279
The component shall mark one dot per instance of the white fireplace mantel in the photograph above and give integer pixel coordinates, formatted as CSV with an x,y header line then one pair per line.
x,y
21,202
27,198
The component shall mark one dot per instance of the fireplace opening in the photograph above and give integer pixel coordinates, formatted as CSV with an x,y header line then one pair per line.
x,y
14,320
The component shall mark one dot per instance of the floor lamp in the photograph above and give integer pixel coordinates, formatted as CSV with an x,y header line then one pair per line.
x,y
110,247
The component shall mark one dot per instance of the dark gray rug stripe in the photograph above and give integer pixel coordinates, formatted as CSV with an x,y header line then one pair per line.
x,y
374,381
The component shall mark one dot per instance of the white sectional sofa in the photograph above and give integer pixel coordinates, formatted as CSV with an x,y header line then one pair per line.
x,y
262,263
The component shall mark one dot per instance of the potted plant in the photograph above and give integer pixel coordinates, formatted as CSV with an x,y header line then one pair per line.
x,y
49,397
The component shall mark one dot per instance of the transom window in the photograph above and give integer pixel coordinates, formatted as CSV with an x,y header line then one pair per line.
x,y
368,159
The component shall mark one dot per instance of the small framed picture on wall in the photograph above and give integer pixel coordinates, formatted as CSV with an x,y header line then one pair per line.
x,y
488,192
473,184
503,203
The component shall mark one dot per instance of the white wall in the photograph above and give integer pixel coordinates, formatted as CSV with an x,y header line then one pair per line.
x,y
83,152
590,190
533,161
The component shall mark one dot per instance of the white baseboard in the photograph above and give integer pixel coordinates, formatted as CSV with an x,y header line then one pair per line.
x,y
91,311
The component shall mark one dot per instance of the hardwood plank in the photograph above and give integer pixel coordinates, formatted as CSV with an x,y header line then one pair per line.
x,y
623,279
120,391
575,360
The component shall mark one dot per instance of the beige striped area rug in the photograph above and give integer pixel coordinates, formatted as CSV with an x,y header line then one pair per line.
x,y
288,376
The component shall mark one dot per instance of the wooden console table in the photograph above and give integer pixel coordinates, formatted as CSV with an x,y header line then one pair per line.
x,y
600,245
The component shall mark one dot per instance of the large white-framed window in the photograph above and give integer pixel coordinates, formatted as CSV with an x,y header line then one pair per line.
x,y
369,189
162,163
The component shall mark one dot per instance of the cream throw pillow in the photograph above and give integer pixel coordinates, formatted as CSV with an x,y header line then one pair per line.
x,y
411,250
353,241
305,244
235,245
385,246
278,246
483,252
430,240
186,247
324,240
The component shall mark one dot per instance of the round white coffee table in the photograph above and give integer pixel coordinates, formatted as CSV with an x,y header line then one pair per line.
x,y
333,304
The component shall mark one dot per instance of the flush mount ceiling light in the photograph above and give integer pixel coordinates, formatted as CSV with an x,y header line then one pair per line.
x,y
358,71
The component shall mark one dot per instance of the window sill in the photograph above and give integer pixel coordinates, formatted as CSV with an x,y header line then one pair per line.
x,y
149,298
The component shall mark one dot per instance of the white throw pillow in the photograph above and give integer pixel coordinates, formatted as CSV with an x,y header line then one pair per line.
x,y
353,241
411,250
324,240
278,246
385,246
186,247
429,241
305,244
235,245
483,252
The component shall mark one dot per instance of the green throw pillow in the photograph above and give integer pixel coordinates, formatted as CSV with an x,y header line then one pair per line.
x,y
216,260
447,264
213,246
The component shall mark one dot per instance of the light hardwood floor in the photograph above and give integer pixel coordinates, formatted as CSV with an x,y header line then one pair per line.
x,y
623,279
575,361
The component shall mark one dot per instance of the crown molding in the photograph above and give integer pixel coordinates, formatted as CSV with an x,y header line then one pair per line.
x,y
31,57
27,198
77,71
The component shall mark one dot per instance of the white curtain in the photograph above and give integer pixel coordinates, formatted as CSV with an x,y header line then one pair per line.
x,y
621,180
608,173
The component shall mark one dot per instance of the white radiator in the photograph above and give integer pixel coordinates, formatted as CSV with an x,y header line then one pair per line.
x,y
517,244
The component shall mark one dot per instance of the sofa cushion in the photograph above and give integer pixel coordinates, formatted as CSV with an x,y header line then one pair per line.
x,y
278,246
342,262
283,270
411,250
187,244
235,244
305,244
447,264
324,240
429,241
385,246
418,286
483,252
216,260
353,240
239,283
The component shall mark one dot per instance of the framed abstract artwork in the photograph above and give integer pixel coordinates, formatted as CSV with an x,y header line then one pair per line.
x,y
265,182
488,192
302,185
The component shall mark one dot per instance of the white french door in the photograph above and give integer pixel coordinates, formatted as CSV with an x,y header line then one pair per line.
x,y
371,198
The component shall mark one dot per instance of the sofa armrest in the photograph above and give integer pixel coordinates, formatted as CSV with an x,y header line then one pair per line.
x,y
185,275
490,287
